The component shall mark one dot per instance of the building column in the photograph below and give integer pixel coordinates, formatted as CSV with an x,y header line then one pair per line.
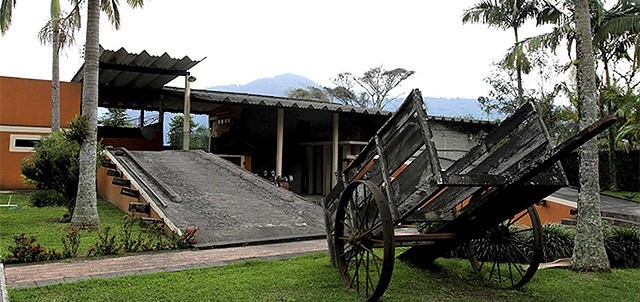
x,y
161,118
334,160
141,118
279,141
186,125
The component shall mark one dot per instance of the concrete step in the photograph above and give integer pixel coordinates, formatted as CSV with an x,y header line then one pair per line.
x,y
130,192
140,207
148,221
623,216
121,182
114,173
610,220
108,164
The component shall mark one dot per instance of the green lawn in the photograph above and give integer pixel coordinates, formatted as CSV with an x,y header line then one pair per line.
x,y
43,223
311,278
633,196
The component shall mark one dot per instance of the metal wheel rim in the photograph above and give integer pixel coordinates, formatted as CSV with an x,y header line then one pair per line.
x,y
511,274
355,256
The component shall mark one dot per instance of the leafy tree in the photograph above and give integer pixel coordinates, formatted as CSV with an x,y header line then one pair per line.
x,y
175,130
115,117
309,93
561,120
376,82
589,252
615,40
86,211
199,139
58,32
506,14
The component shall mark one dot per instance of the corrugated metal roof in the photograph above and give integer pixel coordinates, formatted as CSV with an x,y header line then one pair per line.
x,y
211,96
124,69
271,101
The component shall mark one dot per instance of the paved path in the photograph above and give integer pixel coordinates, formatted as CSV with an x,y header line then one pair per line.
x,y
35,275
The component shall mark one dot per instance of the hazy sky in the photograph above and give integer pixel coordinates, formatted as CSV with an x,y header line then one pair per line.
x,y
244,40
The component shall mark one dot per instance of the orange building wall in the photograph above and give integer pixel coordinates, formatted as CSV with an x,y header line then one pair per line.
x,y
26,104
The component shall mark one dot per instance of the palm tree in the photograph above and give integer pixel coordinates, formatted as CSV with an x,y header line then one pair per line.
x,y
59,32
616,33
589,253
506,14
85,214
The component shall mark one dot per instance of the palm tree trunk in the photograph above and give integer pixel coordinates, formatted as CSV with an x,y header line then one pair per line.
x,y
85,214
589,253
518,67
55,79
613,180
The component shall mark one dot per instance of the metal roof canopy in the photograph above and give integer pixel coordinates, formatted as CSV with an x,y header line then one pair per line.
x,y
124,69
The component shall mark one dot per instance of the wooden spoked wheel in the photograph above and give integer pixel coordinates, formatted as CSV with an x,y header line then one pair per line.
x,y
364,243
509,253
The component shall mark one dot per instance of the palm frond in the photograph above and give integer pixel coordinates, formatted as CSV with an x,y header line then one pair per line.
x,y
550,40
6,10
618,26
110,8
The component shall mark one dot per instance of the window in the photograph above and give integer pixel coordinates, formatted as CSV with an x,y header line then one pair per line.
x,y
22,143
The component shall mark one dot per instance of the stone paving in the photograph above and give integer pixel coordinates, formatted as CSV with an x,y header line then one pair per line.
x,y
36,275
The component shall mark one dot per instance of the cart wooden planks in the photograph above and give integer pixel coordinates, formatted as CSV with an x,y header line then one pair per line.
x,y
395,193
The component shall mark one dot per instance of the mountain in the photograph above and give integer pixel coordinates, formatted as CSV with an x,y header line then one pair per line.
x,y
281,84
275,86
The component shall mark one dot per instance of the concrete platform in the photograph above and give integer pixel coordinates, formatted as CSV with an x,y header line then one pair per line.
x,y
228,205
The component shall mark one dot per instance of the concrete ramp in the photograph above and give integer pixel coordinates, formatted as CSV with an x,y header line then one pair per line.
x,y
228,205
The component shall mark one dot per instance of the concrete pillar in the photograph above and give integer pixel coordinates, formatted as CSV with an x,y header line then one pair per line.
x,y
186,125
335,158
141,118
279,141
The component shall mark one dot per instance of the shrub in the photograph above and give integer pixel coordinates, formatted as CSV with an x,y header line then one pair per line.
x,y
557,242
71,243
130,242
106,245
623,247
47,197
54,167
188,238
25,249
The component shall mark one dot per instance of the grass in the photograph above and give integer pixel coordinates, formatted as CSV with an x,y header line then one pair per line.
x,y
633,196
312,278
43,223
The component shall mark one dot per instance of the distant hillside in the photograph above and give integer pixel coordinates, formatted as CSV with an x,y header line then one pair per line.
x,y
281,84
452,107
275,86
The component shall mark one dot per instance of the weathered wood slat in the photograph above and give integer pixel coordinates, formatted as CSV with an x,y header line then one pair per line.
x,y
357,167
400,117
467,180
505,128
427,134
402,146
423,237
414,175
386,178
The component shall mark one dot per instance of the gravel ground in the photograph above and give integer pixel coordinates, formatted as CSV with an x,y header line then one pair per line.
x,y
227,203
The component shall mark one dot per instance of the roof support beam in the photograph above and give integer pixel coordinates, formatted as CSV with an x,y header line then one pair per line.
x,y
142,69
279,141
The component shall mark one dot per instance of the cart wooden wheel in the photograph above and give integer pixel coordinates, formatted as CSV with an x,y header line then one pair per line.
x,y
509,253
364,243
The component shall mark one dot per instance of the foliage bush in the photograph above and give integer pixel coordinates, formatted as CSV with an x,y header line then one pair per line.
x,y
48,197
54,166
25,249
623,247
71,243
557,242
132,243
107,243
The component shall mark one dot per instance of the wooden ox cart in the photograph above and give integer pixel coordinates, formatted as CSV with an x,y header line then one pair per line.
x,y
395,193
